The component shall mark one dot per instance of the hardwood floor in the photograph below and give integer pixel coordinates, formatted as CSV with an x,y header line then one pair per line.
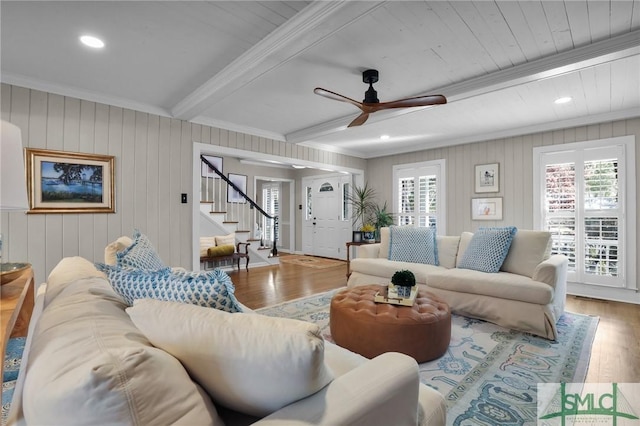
x,y
615,355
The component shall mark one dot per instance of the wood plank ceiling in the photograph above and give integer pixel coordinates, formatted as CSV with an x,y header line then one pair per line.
x,y
252,66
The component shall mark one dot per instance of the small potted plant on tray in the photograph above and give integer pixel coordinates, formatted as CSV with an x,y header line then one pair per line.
x,y
404,281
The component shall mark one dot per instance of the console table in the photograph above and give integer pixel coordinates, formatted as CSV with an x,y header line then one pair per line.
x,y
16,299
349,245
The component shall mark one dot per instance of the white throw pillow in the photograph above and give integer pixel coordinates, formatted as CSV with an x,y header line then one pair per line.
x,y
226,240
528,249
250,363
113,248
205,243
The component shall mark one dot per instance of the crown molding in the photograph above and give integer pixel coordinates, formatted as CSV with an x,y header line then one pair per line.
x,y
75,92
316,22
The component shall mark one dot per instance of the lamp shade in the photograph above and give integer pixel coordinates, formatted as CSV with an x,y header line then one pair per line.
x,y
13,185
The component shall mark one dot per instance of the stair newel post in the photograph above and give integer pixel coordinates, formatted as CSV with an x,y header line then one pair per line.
x,y
274,249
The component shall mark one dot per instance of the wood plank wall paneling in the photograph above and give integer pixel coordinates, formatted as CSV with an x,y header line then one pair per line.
x,y
153,167
515,156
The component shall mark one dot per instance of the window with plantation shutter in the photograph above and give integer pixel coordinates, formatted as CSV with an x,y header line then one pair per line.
x,y
416,199
584,189
271,205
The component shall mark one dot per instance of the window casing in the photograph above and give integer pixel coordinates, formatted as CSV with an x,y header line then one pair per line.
x,y
582,195
416,198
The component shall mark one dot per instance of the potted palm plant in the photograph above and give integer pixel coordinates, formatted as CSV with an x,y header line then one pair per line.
x,y
362,203
382,218
404,281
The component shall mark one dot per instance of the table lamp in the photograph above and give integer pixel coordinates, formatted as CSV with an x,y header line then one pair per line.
x,y
13,187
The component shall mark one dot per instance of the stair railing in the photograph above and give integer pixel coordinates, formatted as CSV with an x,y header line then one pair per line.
x,y
274,250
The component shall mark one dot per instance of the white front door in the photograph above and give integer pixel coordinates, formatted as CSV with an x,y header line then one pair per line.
x,y
325,230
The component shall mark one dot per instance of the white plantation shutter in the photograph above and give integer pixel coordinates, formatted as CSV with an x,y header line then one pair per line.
x,y
271,205
416,189
583,191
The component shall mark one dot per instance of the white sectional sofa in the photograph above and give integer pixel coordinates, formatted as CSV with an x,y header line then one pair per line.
x,y
527,294
88,362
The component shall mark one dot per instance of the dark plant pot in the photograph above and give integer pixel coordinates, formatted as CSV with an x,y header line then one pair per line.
x,y
368,236
403,291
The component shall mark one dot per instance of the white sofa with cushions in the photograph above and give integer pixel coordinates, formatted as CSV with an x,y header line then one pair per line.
x,y
97,354
527,293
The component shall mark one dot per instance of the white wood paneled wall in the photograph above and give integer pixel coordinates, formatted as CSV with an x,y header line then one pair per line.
x,y
515,156
153,166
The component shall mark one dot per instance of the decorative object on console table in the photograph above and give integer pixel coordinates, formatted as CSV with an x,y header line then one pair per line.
x,y
368,231
487,177
70,182
404,281
486,208
356,237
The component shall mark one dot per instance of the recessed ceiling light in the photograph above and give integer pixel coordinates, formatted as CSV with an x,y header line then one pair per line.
x,y
563,100
295,166
91,41
385,137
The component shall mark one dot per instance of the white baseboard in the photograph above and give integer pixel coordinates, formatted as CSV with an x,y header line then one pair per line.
x,y
605,293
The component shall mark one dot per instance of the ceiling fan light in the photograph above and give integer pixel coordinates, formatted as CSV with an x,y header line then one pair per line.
x,y
563,100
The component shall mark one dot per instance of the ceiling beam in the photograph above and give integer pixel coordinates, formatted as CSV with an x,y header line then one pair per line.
x,y
316,22
548,67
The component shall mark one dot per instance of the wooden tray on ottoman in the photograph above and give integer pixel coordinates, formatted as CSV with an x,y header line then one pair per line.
x,y
392,296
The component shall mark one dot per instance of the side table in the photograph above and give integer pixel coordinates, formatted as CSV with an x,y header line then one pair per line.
x,y
349,245
16,304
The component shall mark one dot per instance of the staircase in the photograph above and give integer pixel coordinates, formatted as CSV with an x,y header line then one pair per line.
x,y
213,223
234,217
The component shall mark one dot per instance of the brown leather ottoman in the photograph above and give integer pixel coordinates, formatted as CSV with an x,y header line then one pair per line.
x,y
422,331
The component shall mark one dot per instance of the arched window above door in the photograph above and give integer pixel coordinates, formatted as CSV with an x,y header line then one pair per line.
x,y
326,187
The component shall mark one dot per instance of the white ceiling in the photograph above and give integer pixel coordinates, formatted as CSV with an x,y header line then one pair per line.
x,y
252,66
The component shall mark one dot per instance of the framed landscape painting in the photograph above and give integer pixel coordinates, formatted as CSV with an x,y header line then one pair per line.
x,y
69,182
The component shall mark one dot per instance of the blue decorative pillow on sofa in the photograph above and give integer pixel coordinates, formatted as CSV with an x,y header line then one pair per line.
x,y
211,289
488,249
413,244
140,254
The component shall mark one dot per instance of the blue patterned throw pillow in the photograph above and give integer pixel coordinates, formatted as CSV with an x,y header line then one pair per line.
x,y
488,249
140,255
413,244
211,289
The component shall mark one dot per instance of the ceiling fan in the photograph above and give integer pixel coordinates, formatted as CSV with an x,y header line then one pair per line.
x,y
371,104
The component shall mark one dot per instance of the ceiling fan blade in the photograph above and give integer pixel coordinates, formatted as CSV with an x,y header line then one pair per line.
x,y
336,96
360,120
418,101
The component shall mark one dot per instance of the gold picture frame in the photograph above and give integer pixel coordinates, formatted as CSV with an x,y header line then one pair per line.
x,y
69,182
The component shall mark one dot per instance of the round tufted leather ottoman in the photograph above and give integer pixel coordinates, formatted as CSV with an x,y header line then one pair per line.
x,y
422,331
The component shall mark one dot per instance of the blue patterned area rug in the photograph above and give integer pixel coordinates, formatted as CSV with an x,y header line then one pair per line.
x,y
12,359
489,374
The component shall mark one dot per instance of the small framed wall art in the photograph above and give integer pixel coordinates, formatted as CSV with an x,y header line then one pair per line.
x,y
487,177
356,237
69,182
207,172
240,181
486,208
